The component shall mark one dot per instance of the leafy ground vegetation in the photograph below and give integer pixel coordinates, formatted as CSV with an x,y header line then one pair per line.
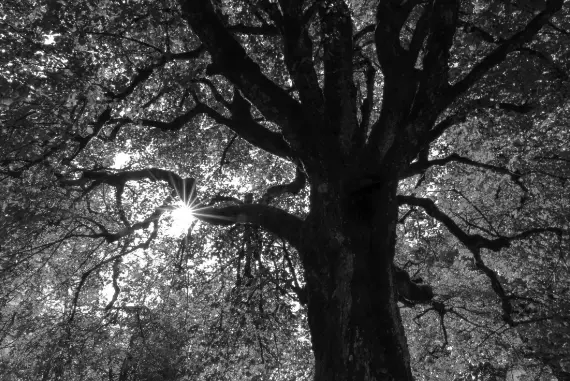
x,y
284,190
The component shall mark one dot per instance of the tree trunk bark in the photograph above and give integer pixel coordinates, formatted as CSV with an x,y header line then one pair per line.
x,y
348,250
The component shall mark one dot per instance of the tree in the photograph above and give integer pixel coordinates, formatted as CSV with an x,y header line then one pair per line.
x,y
432,133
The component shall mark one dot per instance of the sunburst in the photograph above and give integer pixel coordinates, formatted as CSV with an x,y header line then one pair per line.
x,y
182,219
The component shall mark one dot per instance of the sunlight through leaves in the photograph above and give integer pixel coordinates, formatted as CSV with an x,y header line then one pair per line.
x,y
182,219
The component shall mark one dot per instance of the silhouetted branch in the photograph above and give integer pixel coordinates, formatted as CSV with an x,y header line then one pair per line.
x,y
390,18
231,60
476,242
274,220
470,240
339,90
293,187
435,72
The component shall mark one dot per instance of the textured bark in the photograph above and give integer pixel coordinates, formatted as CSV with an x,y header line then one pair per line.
x,y
354,319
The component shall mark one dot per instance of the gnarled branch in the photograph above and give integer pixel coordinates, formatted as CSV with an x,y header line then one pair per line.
x,y
293,187
470,240
476,242
231,60
274,220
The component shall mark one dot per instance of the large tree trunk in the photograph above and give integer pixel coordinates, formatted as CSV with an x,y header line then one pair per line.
x,y
348,251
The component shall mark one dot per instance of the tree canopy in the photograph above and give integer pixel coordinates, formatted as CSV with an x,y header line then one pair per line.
x,y
284,190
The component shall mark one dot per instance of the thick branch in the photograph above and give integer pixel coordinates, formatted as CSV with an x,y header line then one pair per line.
x,y
339,88
400,77
274,220
231,60
243,124
293,187
390,18
298,54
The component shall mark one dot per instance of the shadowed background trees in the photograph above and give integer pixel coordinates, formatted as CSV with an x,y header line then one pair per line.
x,y
317,143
